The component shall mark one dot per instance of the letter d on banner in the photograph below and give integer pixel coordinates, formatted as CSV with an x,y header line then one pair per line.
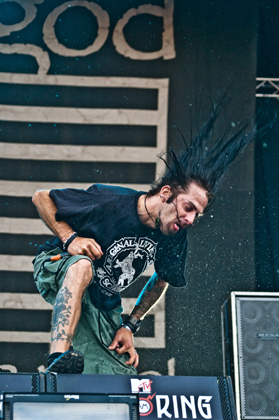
x,y
167,51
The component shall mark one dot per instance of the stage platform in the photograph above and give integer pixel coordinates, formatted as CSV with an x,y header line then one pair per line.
x,y
176,397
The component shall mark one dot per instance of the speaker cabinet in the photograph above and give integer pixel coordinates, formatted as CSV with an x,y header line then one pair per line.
x,y
251,350
22,382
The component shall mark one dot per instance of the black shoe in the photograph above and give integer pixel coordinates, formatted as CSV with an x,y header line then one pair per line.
x,y
71,361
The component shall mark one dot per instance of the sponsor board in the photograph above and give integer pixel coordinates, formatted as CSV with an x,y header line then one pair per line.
x,y
160,397
177,397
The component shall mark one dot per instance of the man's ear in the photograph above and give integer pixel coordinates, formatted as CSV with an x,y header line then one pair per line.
x,y
165,192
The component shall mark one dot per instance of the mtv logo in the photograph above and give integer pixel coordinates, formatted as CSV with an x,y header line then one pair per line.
x,y
141,385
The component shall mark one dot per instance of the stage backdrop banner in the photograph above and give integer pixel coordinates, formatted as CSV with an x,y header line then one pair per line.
x,y
93,92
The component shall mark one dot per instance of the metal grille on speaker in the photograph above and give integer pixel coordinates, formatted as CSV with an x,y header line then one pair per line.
x,y
226,398
258,356
7,415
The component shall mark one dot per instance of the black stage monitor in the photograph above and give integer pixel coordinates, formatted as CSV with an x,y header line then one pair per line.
x,y
21,406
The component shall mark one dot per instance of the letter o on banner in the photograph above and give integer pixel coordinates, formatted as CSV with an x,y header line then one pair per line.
x,y
103,30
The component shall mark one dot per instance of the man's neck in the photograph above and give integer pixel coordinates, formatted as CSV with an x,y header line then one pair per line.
x,y
148,208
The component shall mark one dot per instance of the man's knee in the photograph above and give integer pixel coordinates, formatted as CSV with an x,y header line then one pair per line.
x,y
80,272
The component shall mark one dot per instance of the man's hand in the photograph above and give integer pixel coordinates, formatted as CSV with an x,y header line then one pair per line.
x,y
85,246
123,343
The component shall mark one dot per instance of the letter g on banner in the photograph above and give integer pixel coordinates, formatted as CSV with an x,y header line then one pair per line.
x,y
103,29
30,13
204,407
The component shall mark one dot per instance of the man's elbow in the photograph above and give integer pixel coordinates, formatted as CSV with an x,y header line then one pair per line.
x,y
39,196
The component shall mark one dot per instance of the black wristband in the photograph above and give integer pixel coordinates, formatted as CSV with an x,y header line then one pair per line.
x,y
69,241
133,324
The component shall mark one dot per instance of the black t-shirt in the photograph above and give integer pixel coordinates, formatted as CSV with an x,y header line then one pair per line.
x,y
109,215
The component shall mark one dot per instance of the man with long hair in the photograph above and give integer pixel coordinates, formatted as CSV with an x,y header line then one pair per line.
x,y
108,236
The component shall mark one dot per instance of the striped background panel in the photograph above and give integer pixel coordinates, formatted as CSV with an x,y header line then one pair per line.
x,y
58,132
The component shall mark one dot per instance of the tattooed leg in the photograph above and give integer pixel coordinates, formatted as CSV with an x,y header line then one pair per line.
x,y
61,316
67,307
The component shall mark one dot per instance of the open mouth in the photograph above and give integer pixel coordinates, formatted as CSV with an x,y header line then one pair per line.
x,y
177,226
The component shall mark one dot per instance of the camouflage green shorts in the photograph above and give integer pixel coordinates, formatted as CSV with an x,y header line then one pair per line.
x,y
95,328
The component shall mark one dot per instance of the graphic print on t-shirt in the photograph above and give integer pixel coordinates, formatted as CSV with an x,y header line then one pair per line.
x,y
126,259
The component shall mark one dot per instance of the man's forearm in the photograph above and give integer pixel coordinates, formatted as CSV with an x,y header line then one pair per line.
x,y
152,292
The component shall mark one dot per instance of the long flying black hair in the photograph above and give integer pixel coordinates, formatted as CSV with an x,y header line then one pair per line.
x,y
205,160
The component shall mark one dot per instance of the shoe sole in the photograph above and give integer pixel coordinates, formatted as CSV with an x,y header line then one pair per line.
x,y
69,362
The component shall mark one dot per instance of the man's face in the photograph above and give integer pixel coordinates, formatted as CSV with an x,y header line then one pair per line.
x,y
183,210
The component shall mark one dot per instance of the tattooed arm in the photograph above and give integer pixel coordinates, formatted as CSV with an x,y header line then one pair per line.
x,y
151,293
